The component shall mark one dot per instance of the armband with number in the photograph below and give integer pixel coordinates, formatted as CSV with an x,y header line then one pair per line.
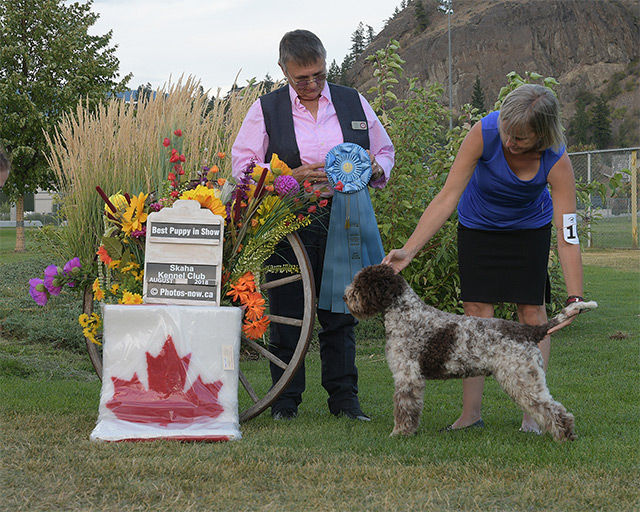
x,y
570,228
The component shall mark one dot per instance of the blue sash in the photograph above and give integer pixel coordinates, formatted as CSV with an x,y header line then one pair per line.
x,y
353,241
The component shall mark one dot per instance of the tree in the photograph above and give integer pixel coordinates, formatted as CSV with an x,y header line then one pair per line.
x,y
580,124
477,98
358,41
601,123
421,16
334,73
48,63
144,92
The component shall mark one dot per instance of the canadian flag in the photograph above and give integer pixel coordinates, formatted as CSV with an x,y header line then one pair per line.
x,y
169,372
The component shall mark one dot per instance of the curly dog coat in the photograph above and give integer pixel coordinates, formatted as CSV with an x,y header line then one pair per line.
x,y
426,343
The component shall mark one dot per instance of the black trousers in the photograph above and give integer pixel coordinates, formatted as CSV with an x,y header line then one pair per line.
x,y
336,337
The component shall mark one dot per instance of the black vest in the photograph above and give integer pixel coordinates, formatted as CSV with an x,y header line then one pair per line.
x,y
278,120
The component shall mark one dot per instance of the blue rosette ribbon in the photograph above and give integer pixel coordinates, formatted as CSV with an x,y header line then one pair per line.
x,y
353,241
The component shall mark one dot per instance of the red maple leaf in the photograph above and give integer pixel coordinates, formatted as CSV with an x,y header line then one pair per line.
x,y
165,401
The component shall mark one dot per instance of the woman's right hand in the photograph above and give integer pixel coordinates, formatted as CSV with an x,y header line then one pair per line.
x,y
398,259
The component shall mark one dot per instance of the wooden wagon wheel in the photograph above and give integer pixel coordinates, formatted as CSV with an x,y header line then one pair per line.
x,y
261,401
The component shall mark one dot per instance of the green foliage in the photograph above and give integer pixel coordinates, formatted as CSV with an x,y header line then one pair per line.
x,y
477,98
601,122
421,16
48,61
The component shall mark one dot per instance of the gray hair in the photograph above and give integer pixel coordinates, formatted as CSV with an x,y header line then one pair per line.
x,y
301,47
535,107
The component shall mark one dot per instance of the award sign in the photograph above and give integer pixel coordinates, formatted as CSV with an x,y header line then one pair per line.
x,y
183,256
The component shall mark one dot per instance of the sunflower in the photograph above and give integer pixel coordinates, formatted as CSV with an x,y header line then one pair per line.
x,y
208,198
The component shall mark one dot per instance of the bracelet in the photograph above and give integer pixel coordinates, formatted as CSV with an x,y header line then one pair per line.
x,y
573,298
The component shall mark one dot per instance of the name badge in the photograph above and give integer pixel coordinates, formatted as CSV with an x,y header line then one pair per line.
x,y
358,125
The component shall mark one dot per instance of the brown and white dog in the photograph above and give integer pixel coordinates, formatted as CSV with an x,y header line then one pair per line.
x,y
426,343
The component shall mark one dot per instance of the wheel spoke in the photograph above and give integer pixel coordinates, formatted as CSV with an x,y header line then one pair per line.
x,y
297,322
280,282
264,352
243,379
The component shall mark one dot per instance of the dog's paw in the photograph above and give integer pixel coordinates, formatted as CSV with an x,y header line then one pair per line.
x,y
404,433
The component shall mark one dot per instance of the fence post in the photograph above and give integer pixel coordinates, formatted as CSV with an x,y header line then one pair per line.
x,y
634,200
590,199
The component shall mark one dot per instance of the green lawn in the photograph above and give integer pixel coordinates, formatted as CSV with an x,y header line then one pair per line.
x,y
49,405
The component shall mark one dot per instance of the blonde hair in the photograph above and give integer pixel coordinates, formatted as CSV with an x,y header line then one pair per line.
x,y
533,107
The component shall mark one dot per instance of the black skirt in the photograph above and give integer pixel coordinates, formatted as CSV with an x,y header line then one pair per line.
x,y
504,266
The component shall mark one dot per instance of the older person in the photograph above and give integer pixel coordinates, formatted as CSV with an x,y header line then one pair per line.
x,y
499,181
301,122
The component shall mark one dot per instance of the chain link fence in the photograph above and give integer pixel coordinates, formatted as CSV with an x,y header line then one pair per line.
x,y
612,223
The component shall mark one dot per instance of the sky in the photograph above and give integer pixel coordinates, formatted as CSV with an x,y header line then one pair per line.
x,y
216,41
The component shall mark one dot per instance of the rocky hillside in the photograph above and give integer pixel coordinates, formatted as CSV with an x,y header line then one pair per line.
x,y
587,45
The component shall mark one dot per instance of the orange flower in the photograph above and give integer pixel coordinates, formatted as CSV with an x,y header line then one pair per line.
x,y
214,169
221,154
104,255
221,181
242,288
255,306
255,330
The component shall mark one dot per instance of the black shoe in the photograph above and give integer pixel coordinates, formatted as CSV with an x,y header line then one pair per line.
x,y
284,414
353,414
477,424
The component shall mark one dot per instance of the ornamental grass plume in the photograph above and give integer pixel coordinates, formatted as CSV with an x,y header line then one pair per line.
x,y
119,146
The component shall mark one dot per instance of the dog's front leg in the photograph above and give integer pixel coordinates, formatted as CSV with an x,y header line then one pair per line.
x,y
408,399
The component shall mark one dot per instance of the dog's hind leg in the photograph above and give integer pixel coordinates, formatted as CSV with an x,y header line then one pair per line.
x,y
527,387
408,399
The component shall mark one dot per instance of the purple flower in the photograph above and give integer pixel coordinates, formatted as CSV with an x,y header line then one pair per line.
x,y
138,233
286,185
38,291
156,207
70,269
50,281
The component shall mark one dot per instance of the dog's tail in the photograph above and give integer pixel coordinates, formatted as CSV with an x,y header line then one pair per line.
x,y
572,309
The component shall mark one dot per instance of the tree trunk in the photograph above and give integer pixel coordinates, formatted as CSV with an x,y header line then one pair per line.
x,y
20,224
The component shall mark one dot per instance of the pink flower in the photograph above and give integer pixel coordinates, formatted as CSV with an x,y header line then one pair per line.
x,y
178,133
38,291
166,142
50,279
286,185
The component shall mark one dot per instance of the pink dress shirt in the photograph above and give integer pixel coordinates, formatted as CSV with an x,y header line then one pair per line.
x,y
315,137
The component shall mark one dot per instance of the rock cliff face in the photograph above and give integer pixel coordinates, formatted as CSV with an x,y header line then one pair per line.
x,y
581,43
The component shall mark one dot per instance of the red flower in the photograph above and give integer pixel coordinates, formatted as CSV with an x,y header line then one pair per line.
x,y
182,158
166,142
317,193
178,133
171,176
175,193
175,157
323,203
312,208
339,186
181,171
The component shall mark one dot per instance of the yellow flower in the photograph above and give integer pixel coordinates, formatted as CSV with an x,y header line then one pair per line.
x,y
119,201
207,197
266,208
278,167
114,288
135,217
130,298
83,320
98,293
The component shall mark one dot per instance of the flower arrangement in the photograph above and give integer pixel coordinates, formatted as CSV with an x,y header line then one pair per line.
x,y
263,208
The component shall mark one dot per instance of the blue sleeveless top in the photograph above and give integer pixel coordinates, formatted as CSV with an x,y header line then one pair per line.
x,y
496,198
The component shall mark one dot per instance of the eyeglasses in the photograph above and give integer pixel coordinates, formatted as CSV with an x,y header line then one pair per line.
x,y
303,84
